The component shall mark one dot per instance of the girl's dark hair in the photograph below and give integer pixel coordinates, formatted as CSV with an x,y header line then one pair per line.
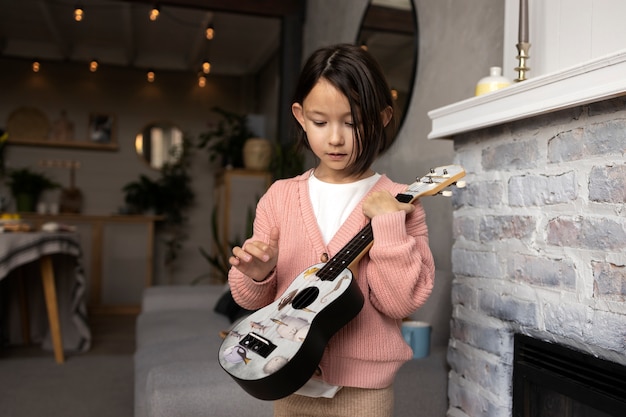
x,y
355,73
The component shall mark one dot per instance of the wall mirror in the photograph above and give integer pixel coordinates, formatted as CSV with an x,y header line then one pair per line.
x,y
159,143
389,32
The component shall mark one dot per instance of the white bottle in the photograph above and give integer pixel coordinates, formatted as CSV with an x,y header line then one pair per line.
x,y
493,82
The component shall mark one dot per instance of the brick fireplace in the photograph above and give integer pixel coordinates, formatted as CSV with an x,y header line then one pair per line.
x,y
540,247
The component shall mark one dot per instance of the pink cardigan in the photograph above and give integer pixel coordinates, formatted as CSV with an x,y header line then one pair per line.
x,y
396,278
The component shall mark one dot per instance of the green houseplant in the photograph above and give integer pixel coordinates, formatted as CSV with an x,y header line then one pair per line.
x,y
27,186
225,142
170,195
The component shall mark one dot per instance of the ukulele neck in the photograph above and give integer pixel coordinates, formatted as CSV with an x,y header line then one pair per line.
x,y
352,253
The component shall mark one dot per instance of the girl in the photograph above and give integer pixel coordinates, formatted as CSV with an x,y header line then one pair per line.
x,y
343,106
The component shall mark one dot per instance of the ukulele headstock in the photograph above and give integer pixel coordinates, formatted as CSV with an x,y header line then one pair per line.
x,y
437,180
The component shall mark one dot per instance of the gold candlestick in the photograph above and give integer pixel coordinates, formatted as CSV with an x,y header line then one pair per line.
x,y
522,57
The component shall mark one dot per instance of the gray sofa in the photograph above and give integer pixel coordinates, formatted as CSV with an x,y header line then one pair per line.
x,y
177,373
176,368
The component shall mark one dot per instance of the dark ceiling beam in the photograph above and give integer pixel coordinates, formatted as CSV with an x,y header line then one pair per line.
x,y
129,35
197,49
273,8
63,47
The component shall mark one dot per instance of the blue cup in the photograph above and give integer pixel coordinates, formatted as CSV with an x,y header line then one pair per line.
x,y
417,335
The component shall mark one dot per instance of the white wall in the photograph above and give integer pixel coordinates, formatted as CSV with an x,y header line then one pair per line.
x,y
458,42
564,33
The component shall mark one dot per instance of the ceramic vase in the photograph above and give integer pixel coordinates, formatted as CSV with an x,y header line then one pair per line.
x,y
494,81
257,154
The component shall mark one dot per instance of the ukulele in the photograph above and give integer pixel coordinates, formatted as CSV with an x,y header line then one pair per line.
x,y
275,351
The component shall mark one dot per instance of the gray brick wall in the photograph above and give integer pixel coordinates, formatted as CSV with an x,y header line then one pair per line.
x,y
540,247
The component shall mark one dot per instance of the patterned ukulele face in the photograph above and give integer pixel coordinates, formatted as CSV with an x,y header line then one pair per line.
x,y
262,343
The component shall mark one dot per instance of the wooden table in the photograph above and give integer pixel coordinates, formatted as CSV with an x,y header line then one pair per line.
x,y
93,231
20,249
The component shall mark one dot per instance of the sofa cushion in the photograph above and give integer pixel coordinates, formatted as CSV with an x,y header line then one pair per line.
x,y
164,326
181,297
200,348
191,389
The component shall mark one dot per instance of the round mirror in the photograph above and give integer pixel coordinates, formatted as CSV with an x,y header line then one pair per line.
x,y
159,143
389,32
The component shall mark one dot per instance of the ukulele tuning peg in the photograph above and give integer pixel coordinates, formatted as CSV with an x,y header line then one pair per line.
x,y
461,184
446,193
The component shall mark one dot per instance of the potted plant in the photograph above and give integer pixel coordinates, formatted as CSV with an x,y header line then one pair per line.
x,y
170,196
226,141
26,187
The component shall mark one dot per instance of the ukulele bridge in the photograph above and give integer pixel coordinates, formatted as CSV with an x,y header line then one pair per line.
x,y
257,344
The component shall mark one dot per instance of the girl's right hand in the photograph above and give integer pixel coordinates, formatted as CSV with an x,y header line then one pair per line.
x,y
381,202
257,259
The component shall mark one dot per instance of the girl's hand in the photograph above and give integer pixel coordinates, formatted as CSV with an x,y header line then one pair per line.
x,y
257,259
381,202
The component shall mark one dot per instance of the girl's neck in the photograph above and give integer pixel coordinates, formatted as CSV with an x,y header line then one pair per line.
x,y
339,177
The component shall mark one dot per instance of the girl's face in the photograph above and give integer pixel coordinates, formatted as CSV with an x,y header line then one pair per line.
x,y
326,118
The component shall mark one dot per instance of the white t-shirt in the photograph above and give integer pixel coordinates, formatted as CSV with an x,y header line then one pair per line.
x,y
333,203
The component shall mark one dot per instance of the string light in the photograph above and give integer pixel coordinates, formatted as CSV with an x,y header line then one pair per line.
x,y
394,94
210,32
79,13
36,66
154,13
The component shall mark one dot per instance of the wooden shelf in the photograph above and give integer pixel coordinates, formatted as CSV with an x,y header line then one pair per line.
x,y
74,144
588,82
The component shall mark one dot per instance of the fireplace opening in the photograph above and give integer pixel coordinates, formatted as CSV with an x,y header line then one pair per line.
x,y
551,380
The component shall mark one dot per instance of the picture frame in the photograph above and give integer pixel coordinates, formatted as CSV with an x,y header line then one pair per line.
x,y
102,128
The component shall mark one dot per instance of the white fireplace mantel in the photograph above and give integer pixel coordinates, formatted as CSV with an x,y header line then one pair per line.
x,y
592,81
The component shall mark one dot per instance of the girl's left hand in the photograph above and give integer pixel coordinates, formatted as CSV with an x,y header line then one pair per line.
x,y
381,202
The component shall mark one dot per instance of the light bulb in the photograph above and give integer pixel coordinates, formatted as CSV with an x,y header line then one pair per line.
x,y
78,14
210,32
394,94
36,66
206,67
201,80
93,66
150,76
154,13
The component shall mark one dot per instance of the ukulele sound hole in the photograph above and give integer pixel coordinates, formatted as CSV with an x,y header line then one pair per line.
x,y
305,298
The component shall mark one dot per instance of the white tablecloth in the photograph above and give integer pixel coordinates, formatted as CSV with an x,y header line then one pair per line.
x,y
19,255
